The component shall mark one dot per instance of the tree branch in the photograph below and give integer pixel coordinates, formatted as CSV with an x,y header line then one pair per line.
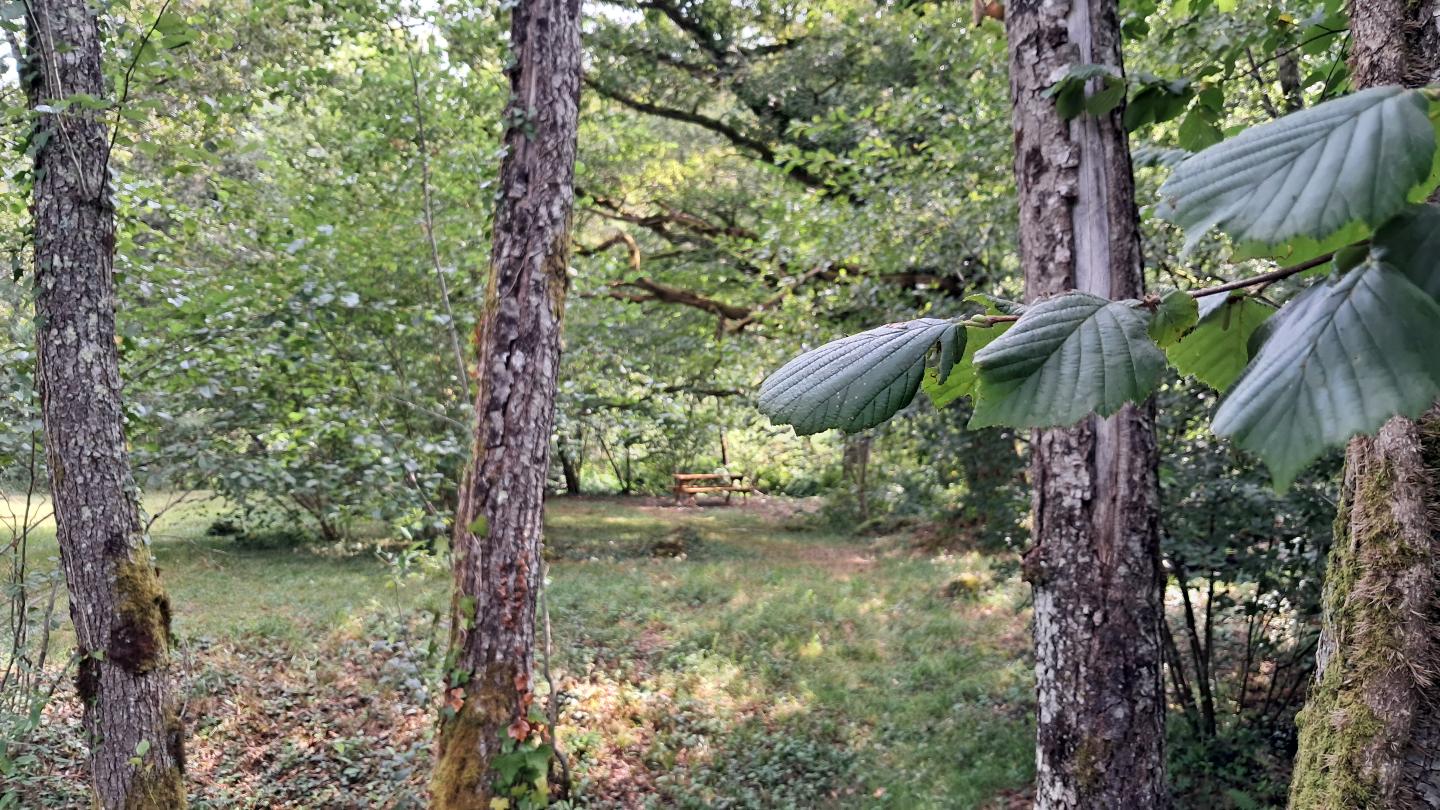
x,y
1264,278
617,238
649,290
762,150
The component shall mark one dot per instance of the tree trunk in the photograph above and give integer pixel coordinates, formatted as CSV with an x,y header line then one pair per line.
x,y
1370,730
570,467
499,521
120,613
856,466
1094,564
993,472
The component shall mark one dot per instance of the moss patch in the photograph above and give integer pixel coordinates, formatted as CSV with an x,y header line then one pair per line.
x,y
1339,731
469,742
156,789
140,638
1336,729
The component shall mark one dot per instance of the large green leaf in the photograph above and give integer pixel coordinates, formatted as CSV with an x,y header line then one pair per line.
x,y
1342,358
1216,350
1329,172
856,382
1411,244
1066,357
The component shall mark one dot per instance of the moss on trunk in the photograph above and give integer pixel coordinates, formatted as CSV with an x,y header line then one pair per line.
x,y
1364,738
469,740
140,638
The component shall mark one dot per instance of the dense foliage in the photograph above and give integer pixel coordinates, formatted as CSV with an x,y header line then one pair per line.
x,y
304,191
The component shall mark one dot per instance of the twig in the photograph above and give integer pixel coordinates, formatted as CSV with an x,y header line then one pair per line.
x,y
553,707
125,95
1264,278
1328,32
428,210
1325,89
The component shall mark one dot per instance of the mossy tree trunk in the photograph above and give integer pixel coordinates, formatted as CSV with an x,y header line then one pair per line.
x,y
1094,563
121,617
496,550
1370,730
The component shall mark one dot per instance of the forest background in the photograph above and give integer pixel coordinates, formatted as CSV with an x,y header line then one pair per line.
x,y
302,192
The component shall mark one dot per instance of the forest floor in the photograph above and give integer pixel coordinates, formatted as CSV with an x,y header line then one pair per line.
x,y
729,657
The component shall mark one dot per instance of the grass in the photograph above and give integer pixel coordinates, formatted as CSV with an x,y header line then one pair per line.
x,y
753,663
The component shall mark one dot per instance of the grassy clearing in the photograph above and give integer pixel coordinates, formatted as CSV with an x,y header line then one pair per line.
x,y
752,663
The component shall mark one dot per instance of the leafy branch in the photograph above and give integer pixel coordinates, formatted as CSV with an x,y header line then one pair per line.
x,y
1335,183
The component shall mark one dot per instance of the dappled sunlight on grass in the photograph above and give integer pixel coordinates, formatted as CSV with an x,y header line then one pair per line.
x,y
865,641
702,657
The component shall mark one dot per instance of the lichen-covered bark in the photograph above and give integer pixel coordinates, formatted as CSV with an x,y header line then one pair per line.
x,y
1094,563
1370,729
498,523
1368,733
121,616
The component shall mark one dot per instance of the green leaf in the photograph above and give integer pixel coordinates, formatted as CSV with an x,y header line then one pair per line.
x,y
1411,244
1310,175
855,382
1174,316
961,382
507,766
1198,132
1141,109
1066,357
1069,91
1110,94
952,347
1215,352
1070,101
1345,356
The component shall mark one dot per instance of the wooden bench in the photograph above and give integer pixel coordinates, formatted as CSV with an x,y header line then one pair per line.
x,y
692,484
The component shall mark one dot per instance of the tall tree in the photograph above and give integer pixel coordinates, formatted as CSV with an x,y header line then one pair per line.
x,y
1370,731
1094,563
121,615
498,523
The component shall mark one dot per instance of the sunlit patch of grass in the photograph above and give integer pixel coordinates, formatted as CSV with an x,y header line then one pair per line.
x,y
775,667
930,696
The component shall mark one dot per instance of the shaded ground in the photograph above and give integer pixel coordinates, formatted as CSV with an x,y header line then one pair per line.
x,y
718,657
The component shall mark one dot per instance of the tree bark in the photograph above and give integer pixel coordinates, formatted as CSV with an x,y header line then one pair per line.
x,y
1370,729
120,613
989,515
1094,564
855,462
570,468
498,524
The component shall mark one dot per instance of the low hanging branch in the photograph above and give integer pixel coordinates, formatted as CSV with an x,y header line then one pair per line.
x,y
642,290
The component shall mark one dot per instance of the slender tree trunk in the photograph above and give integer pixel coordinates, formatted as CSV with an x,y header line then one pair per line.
x,y
856,466
570,467
1094,564
499,522
989,515
120,613
1370,730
